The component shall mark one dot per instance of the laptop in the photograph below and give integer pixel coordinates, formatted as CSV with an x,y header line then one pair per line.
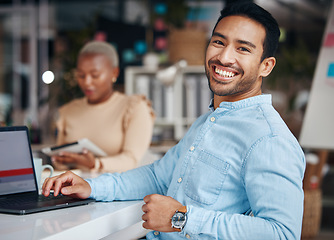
x,y
18,187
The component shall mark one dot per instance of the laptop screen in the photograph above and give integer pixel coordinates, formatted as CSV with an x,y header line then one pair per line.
x,y
16,170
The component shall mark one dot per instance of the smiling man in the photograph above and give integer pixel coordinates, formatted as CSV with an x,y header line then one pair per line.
x,y
235,58
237,173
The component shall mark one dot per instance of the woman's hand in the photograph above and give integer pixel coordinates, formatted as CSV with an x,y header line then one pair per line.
x,y
68,184
86,158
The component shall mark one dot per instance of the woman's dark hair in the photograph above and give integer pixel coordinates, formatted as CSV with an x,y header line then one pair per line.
x,y
260,15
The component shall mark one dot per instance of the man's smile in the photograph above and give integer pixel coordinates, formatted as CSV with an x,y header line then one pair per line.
x,y
224,73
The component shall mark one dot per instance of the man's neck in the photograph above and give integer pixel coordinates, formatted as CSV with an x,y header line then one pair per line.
x,y
232,98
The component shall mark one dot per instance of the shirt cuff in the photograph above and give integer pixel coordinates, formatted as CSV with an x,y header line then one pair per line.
x,y
103,187
91,184
194,221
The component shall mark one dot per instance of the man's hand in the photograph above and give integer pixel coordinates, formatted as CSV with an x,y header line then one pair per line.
x,y
158,211
68,184
86,158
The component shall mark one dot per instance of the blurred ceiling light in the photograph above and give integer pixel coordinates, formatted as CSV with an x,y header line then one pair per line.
x,y
48,77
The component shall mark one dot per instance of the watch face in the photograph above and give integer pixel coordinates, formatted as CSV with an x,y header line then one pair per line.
x,y
178,220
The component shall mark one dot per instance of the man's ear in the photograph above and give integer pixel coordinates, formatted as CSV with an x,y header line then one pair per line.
x,y
267,66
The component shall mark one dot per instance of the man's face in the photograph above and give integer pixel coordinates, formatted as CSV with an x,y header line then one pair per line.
x,y
233,58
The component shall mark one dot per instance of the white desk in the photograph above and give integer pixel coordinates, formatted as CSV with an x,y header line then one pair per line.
x,y
112,220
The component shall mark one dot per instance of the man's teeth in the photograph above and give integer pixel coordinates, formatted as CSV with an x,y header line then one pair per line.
x,y
224,73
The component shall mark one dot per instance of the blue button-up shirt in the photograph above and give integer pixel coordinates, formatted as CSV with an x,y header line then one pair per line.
x,y
237,159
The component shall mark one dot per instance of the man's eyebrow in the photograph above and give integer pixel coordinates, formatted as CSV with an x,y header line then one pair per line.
x,y
247,43
219,35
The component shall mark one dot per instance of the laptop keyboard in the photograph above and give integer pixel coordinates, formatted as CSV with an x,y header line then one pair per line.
x,y
29,199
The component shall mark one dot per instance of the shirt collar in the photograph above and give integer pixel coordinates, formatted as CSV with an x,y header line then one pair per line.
x,y
259,99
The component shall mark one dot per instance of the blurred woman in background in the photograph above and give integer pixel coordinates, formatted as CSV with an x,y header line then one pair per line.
x,y
120,125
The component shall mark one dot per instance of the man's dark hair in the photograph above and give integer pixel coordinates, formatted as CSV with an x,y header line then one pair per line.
x,y
260,15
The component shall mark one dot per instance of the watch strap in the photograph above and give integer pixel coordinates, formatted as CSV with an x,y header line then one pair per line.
x,y
182,209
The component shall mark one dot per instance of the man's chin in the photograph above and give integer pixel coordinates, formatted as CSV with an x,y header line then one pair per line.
x,y
219,88
218,92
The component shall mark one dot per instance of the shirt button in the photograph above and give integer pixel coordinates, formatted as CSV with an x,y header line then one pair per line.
x,y
188,236
156,233
192,148
179,180
212,119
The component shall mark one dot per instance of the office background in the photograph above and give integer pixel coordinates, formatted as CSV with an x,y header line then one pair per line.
x,y
37,36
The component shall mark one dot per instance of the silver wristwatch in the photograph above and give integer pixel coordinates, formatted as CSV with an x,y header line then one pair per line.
x,y
179,218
